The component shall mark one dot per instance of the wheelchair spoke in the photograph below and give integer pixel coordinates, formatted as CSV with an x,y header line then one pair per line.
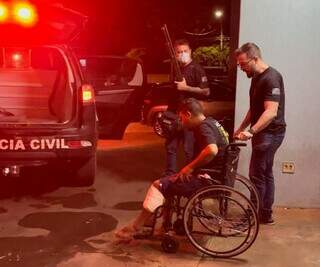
x,y
207,234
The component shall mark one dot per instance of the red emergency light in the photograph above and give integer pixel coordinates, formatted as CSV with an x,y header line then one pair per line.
x,y
4,13
22,13
25,14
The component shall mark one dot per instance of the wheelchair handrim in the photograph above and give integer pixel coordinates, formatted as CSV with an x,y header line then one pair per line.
x,y
240,248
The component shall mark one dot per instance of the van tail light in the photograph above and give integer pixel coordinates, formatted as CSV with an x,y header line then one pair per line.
x,y
87,94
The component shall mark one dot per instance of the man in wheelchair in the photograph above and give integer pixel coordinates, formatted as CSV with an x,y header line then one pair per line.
x,y
210,141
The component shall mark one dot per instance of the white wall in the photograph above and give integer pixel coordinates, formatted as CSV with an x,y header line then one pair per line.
x,y
288,33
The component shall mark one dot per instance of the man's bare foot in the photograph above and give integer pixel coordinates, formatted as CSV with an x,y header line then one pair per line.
x,y
159,231
149,221
126,233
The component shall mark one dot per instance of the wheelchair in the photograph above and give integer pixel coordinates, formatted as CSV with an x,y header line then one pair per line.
x,y
218,219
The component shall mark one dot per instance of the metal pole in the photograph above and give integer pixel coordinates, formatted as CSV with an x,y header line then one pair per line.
x,y
221,36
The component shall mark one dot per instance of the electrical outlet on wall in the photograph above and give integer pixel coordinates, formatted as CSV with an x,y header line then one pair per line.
x,y
288,167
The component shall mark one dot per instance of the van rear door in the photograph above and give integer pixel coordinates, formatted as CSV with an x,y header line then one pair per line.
x,y
35,86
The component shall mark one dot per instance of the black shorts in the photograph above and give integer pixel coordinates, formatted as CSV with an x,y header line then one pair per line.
x,y
186,189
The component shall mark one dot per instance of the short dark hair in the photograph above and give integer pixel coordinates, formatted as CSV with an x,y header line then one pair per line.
x,y
181,42
250,49
192,105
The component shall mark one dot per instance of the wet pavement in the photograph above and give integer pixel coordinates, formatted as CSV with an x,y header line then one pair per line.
x,y
43,224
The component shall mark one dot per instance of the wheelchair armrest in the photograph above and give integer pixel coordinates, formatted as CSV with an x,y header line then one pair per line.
x,y
236,144
210,171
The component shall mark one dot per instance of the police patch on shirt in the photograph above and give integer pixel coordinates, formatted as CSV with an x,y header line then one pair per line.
x,y
275,91
204,79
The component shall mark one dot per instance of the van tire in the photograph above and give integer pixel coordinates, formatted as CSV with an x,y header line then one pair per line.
x,y
85,175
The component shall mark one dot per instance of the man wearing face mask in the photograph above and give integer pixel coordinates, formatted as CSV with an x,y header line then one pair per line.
x,y
195,85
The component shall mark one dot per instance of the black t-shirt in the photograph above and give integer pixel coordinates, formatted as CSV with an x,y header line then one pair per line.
x,y
209,132
267,86
196,77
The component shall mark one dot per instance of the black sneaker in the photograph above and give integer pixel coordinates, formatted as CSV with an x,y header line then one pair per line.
x,y
268,221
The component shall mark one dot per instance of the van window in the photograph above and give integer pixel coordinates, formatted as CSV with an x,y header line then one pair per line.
x,y
104,73
33,85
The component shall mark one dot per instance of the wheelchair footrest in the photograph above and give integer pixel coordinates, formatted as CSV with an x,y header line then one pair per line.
x,y
145,234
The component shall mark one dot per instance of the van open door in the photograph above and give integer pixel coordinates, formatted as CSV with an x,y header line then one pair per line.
x,y
119,84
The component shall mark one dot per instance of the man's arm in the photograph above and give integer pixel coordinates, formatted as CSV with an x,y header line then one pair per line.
x,y
246,121
270,112
205,156
198,90
182,86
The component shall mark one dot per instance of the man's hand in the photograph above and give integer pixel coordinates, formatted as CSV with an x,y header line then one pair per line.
x,y
244,136
237,133
182,86
184,175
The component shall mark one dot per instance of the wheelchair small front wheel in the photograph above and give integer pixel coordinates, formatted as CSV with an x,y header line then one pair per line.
x,y
169,244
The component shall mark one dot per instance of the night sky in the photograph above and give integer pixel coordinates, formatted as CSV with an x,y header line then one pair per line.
x,y
116,26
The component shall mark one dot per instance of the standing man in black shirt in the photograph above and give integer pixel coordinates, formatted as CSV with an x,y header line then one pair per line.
x,y
194,84
267,124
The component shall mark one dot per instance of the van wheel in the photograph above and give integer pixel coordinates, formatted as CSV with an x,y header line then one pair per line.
x,y
85,175
157,128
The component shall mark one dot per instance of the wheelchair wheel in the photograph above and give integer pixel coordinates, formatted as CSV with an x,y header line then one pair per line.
x,y
245,186
169,244
220,221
